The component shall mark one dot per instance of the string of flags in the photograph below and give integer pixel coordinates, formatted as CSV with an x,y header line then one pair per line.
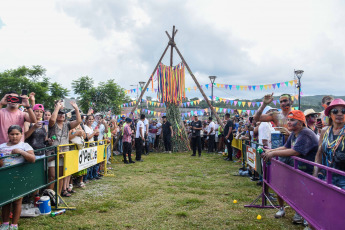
x,y
200,112
230,87
218,99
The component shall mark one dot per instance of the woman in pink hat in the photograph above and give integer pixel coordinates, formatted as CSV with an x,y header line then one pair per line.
x,y
332,150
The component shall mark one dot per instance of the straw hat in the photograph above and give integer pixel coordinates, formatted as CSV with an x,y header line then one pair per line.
x,y
310,111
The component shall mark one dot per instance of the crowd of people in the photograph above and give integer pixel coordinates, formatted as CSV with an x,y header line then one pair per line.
x,y
27,127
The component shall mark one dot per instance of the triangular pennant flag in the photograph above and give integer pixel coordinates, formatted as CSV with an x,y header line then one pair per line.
x,y
261,87
239,111
278,84
241,87
245,87
243,103
248,112
258,104
274,86
291,83
269,86
217,85
206,86
222,86
235,102
237,87
274,102
254,87
217,109
195,88
287,83
231,102
296,96
249,103
239,103
226,86
295,81
265,86
249,87
230,86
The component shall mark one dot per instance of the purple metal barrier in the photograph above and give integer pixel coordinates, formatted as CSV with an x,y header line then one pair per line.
x,y
319,202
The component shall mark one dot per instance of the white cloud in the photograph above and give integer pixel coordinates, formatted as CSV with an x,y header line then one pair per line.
x,y
241,42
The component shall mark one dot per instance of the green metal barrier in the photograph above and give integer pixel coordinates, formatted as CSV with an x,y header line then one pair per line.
x,y
250,155
22,179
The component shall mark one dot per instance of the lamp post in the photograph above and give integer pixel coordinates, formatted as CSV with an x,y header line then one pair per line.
x,y
298,74
212,79
141,83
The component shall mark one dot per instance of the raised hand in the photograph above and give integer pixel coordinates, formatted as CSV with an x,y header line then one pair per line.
x,y
4,100
74,105
268,99
25,101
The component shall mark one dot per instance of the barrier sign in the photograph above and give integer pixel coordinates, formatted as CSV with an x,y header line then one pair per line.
x,y
87,158
251,157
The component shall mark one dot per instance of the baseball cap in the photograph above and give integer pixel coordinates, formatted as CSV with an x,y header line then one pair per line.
x,y
297,115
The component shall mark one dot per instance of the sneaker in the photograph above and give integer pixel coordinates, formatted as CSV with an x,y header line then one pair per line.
x,y
169,151
280,213
297,219
4,227
13,227
305,224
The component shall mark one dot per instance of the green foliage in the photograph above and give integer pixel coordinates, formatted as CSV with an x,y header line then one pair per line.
x,y
106,96
33,79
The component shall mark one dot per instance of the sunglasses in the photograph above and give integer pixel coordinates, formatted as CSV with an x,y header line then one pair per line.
x,y
335,111
328,103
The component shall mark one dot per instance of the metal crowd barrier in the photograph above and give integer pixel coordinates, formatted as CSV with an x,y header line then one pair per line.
x,y
317,201
23,179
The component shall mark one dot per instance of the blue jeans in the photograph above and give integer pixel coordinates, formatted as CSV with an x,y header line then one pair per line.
x,y
95,171
120,146
338,181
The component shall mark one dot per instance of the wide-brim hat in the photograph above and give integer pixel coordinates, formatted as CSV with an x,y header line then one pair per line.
x,y
334,103
309,112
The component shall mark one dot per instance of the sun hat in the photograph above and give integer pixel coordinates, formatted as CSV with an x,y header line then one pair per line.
x,y
297,115
309,112
334,103
38,106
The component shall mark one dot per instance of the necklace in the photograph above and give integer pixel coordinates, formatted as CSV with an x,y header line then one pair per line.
x,y
334,144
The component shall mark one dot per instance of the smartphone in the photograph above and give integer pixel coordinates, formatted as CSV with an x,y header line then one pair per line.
x,y
24,92
319,120
45,122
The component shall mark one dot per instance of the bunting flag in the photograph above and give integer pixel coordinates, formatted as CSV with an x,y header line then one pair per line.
x,y
272,86
171,83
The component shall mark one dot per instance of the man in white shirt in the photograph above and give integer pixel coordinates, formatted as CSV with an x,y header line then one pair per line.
x,y
139,138
265,129
211,134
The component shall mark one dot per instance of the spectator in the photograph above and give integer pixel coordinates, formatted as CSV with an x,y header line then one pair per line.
x,y
311,116
14,145
36,133
278,118
59,134
139,138
265,129
228,136
146,131
159,131
11,115
326,101
211,135
127,142
152,134
303,143
331,151
204,135
196,126
167,134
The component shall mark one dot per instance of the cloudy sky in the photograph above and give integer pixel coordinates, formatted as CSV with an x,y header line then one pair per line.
x,y
241,42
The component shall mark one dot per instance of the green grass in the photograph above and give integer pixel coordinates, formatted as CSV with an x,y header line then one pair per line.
x,y
166,191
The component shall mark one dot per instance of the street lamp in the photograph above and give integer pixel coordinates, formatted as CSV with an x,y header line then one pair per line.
x,y
298,74
141,83
212,79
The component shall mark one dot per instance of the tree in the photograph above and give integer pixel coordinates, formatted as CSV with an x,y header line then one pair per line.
x,y
106,96
33,79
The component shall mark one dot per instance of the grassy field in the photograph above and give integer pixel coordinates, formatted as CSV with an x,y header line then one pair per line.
x,y
166,191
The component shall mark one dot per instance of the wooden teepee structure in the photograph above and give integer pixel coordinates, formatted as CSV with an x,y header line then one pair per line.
x,y
180,141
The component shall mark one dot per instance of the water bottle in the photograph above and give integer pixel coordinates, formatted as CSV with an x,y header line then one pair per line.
x,y
260,151
58,212
277,139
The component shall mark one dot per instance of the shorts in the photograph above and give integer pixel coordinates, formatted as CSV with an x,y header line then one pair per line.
x,y
52,163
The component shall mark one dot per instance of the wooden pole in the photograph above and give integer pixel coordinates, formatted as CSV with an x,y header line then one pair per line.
x,y
147,84
197,84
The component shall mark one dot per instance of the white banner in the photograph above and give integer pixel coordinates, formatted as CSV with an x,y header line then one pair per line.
x,y
87,158
251,157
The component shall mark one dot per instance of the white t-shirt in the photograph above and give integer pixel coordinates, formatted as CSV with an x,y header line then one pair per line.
x,y
88,131
265,130
140,124
7,150
101,129
210,126
146,124
159,127
216,126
